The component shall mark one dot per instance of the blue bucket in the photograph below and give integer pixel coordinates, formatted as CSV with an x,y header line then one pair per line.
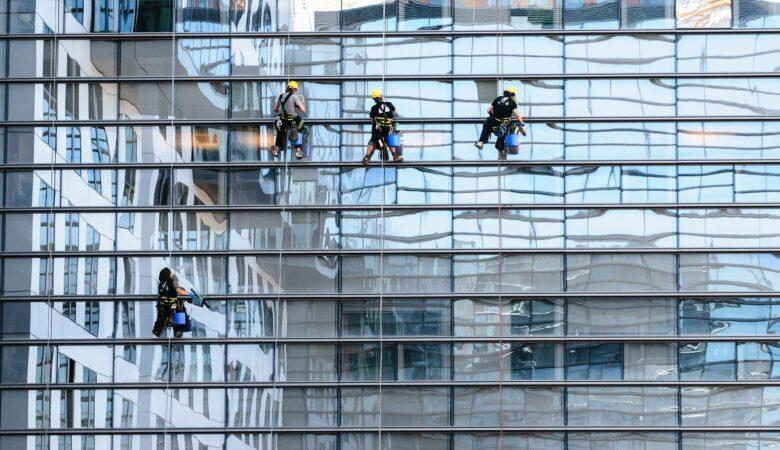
x,y
179,319
393,140
298,142
512,140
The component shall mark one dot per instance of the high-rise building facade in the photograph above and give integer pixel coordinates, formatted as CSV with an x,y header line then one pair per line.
x,y
614,285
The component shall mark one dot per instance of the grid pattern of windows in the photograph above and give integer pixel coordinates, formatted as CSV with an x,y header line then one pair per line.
x,y
612,286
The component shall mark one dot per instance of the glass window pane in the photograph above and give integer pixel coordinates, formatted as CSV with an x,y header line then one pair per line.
x,y
729,272
620,54
632,140
633,98
31,101
250,363
306,318
595,316
476,361
150,58
735,140
727,53
705,184
537,361
85,58
729,316
615,441
647,361
708,361
600,14
701,441
620,228
757,14
589,361
749,406
622,406
621,272
652,14
649,184
728,97
415,406
520,273
139,101
397,56
200,187
195,16
146,16
202,57
200,100
758,361
728,227
703,14
306,362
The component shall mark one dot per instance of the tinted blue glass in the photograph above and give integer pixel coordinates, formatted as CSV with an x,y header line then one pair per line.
x,y
585,361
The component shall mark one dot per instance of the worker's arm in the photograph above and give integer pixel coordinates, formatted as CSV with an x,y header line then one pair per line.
x,y
519,119
301,105
490,109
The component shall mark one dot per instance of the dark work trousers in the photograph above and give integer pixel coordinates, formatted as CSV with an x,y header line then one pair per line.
x,y
284,125
487,128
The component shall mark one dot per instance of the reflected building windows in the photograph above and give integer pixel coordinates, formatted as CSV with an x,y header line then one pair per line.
x,y
703,13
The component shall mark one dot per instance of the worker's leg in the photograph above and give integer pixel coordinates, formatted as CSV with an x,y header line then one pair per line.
x,y
159,324
297,127
369,152
281,136
487,128
294,128
500,141
386,133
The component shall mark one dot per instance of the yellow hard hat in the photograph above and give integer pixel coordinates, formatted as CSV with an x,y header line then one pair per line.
x,y
292,84
511,90
376,93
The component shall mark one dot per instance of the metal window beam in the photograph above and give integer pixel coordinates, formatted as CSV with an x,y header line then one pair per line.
x,y
113,36
364,121
372,252
376,207
321,384
105,342
240,165
385,429
452,296
409,77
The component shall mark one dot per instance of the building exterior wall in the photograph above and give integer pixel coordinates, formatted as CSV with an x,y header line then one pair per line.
x,y
612,286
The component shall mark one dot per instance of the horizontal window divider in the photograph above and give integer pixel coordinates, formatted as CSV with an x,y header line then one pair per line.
x,y
386,207
239,165
389,251
398,77
170,430
524,339
389,34
386,383
454,296
400,120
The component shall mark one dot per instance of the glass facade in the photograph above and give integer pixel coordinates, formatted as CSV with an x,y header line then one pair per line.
x,y
613,286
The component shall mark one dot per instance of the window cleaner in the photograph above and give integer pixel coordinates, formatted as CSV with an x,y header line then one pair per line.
x,y
384,130
500,114
288,119
170,305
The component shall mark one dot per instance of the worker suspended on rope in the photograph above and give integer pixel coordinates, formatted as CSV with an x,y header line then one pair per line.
x,y
500,113
170,301
382,125
288,119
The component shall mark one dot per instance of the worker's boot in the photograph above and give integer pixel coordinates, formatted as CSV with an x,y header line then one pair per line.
x,y
275,151
479,145
298,153
368,157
